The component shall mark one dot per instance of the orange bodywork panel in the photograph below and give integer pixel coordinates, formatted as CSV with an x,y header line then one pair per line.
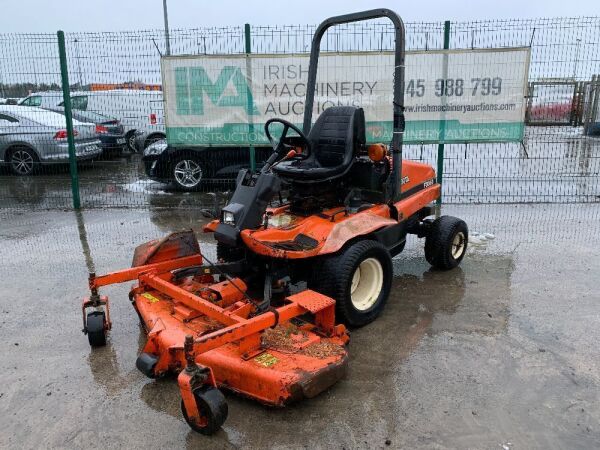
x,y
211,226
294,237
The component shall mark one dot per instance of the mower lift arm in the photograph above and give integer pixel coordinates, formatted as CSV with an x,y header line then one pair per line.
x,y
133,273
96,301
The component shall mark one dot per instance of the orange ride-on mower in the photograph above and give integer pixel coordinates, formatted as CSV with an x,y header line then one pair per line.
x,y
267,319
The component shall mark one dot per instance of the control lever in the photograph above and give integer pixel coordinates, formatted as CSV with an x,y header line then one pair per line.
x,y
291,154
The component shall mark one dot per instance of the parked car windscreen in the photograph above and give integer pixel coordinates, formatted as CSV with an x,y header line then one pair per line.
x,y
34,100
44,117
78,102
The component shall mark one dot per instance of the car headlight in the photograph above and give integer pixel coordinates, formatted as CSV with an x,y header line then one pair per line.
x,y
156,148
228,218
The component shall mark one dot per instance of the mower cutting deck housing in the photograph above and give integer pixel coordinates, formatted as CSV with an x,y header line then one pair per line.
x,y
304,249
210,332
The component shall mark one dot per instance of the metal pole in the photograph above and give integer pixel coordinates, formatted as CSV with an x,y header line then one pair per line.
x,y
440,156
64,75
166,19
576,59
78,63
248,41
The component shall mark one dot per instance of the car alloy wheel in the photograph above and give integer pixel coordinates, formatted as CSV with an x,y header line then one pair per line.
x,y
131,142
22,162
188,173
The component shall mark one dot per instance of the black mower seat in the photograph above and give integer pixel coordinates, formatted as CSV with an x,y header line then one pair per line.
x,y
334,142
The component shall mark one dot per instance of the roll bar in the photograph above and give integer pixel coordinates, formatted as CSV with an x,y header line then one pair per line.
x,y
392,189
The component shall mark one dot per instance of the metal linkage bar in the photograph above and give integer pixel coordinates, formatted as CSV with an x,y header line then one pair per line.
x,y
189,299
121,276
300,304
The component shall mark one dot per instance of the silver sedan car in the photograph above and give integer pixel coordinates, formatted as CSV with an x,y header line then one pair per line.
x,y
31,136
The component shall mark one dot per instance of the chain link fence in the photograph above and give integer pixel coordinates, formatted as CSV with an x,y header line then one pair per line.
x,y
116,92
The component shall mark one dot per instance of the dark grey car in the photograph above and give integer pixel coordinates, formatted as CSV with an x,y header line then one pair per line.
x,y
108,129
31,136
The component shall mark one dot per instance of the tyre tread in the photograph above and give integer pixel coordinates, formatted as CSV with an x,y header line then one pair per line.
x,y
331,276
212,398
95,328
440,238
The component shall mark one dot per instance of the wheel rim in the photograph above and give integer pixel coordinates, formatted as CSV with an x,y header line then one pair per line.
x,y
131,142
22,162
458,245
188,173
366,285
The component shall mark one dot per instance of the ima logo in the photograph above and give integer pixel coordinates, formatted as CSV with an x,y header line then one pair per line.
x,y
193,86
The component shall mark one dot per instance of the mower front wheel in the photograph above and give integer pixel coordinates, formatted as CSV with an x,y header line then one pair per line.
x,y
359,278
213,410
96,328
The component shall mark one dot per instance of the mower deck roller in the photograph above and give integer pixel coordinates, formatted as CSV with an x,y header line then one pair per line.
x,y
267,319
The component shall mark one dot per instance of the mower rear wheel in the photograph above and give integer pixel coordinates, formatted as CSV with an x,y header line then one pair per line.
x,y
96,328
359,279
446,243
212,407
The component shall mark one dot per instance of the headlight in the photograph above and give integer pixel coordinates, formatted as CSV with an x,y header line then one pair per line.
x,y
155,148
228,218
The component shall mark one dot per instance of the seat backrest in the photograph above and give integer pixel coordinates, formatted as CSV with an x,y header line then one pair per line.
x,y
337,135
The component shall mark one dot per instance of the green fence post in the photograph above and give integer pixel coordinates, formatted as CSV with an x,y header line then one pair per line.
x,y
440,156
249,94
64,75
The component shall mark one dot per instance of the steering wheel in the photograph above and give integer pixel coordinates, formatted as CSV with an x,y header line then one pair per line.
x,y
281,147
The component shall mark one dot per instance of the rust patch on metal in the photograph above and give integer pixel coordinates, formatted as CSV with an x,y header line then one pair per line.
x,y
172,246
357,225
312,384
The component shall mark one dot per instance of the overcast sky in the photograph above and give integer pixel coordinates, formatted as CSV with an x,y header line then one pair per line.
x,y
115,15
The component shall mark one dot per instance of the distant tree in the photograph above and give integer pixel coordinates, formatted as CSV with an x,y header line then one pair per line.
x,y
18,90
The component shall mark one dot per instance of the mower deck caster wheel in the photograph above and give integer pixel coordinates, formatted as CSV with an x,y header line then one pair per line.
x,y
96,328
213,410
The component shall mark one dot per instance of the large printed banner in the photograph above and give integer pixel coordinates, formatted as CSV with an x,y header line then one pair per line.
x,y
450,95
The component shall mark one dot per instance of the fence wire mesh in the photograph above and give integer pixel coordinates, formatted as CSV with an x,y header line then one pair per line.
x,y
115,82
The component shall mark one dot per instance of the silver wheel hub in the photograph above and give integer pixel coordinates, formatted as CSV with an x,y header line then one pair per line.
x,y
366,284
458,245
22,162
188,173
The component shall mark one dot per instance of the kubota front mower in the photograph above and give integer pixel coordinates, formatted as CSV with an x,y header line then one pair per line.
x,y
267,318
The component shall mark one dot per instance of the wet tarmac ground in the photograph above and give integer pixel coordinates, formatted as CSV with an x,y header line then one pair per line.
x,y
499,353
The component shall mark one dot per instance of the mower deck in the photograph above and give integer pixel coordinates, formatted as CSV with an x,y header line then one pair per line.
x,y
291,361
202,324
